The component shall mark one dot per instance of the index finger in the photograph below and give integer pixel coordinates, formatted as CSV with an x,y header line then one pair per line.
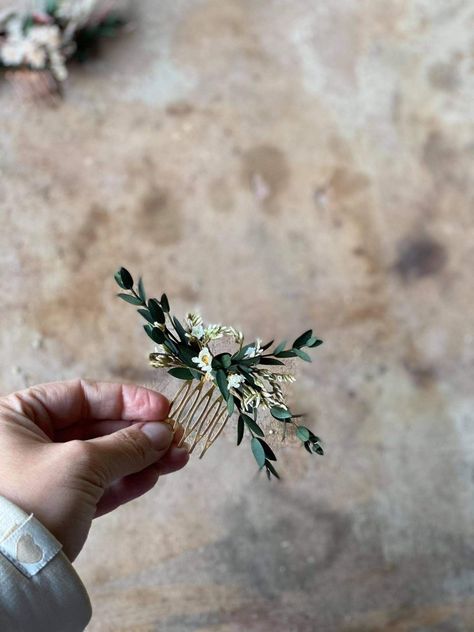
x,y
62,404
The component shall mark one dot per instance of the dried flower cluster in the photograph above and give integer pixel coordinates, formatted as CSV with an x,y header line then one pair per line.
x,y
243,378
45,39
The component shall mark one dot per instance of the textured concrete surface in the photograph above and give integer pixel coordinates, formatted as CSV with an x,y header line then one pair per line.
x,y
281,164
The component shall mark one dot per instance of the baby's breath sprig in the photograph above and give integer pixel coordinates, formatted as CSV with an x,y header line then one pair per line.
x,y
243,377
42,40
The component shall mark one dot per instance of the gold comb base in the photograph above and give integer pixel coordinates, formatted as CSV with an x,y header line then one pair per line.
x,y
201,412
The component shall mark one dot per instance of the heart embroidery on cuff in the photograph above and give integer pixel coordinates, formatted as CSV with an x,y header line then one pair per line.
x,y
27,551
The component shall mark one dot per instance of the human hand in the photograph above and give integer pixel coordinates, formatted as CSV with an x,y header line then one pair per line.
x,y
73,451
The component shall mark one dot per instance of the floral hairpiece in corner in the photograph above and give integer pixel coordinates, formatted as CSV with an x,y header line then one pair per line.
x,y
240,381
36,46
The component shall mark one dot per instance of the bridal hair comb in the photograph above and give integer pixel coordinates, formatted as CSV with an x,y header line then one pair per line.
x,y
243,380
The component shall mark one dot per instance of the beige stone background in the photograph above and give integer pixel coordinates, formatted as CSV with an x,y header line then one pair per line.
x,y
282,165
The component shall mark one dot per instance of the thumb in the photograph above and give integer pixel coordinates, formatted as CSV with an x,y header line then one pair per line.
x,y
130,450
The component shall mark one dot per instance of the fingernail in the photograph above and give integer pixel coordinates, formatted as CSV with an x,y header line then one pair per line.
x,y
159,434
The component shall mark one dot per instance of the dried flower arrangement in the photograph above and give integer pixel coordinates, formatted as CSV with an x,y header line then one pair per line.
x,y
240,382
42,41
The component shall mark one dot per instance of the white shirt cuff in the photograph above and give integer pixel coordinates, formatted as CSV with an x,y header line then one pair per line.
x,y
39,589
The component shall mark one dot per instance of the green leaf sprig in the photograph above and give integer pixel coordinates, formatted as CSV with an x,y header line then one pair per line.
x,y
243,378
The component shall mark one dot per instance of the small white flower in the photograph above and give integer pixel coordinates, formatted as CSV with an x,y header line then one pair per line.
x,y
12,54
234,380
254,351
47,35
35,55
197,332
204,360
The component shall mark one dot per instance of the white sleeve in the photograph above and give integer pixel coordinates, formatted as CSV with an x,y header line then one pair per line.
x,y
39,589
